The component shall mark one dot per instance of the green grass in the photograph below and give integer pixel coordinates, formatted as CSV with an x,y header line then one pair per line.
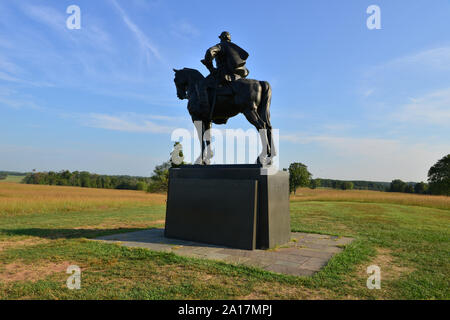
x,y
16,179
414,242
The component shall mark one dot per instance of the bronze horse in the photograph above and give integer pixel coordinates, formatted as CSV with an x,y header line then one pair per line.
x,y
247,96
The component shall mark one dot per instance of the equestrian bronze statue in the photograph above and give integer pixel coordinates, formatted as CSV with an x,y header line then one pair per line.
x,y
223,94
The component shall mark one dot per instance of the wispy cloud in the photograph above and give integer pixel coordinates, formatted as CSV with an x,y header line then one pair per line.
x,y
47,15
145,43
127,122
368,158
9,98
408,72
185,30
438,58
432,108
8,66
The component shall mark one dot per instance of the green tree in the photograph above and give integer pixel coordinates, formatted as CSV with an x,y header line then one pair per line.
x,y
409,188
299,176
347,185
160,178
315,183
141,186
397,186
420,188
439,177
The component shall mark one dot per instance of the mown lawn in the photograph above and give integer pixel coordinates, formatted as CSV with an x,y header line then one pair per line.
x,y
410,243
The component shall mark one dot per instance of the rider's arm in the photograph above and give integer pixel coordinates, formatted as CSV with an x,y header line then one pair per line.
x,y
211,53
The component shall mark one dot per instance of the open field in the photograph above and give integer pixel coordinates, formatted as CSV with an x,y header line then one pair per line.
x,y
44,229
16,179
17,199
368,196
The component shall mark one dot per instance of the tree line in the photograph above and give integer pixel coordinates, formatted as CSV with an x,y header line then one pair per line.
x,y
87,180
299,176
5,174
158,182
438,181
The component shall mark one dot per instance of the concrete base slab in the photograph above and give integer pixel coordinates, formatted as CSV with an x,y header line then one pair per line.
x,y
304,255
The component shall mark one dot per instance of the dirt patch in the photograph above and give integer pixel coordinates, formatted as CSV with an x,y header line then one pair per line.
x,y
266,291
4,245
18,271
390,270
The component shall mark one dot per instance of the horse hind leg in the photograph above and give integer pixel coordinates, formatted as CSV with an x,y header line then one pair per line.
x,y
253,117
264,113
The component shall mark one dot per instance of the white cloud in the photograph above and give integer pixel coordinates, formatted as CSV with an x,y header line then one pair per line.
x,y
9,66
407,74
47,15
126,122
432,108
367,158
11,99
185,30
436,58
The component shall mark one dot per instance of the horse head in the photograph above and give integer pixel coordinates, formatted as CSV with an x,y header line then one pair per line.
x,y
181,83
184,80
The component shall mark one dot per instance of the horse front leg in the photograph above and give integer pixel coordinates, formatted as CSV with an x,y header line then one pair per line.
x,y
204,136
207,152
200,133
273,151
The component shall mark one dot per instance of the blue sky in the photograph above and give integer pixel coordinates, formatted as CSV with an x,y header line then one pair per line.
x,y
350,102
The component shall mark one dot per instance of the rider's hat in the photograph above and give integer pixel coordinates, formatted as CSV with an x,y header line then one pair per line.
x,y
225,36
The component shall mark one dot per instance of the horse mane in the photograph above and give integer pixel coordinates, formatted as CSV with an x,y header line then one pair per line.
x,y
194,74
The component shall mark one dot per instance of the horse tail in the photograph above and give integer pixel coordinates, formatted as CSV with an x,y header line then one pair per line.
x,y
264,106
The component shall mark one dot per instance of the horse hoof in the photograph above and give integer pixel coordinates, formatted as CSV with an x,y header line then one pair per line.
x,y
264,161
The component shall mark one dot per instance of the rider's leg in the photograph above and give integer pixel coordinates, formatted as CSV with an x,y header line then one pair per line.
x,y
203,95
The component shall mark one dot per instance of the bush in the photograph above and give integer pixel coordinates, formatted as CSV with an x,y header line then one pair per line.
x,y
141,186
397,186
156,186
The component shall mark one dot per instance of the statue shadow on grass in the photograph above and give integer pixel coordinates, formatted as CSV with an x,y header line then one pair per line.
x,y
145,236
67,233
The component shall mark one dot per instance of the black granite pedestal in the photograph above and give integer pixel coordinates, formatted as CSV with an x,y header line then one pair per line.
x,y
230,205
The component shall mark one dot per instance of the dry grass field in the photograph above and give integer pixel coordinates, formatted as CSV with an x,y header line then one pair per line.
x,y
43,229
18,199
306,194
